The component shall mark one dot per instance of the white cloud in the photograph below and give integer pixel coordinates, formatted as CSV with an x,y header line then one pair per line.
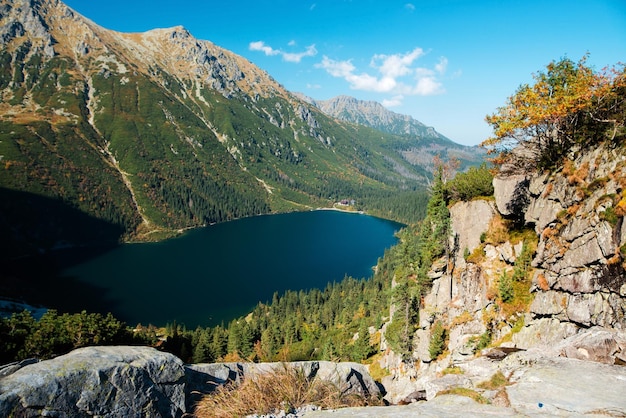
x,y
260,46
362,81
396,65
442,66
427,86
410,7
336,68
296,57
424,72
394,101
395,74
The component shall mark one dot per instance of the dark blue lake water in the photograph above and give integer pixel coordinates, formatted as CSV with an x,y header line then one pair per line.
x,y
214,274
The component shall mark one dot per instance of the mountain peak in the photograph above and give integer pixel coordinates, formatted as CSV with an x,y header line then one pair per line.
x,y
174,31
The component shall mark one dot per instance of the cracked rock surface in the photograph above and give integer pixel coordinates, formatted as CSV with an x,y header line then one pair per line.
x,y
97,381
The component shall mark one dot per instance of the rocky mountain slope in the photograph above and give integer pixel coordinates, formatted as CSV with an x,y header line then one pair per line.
x,y
141,134
374,114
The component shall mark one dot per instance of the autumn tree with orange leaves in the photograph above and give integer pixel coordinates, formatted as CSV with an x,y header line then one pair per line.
x,y
569,108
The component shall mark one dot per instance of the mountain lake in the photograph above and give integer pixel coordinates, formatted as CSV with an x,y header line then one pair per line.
x,y
214,274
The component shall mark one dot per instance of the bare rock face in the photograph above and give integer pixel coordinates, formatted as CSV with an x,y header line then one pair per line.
x,y
97,381
597,344
567,387
578,216
468,221
20,17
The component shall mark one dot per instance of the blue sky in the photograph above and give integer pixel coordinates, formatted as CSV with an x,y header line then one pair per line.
x,y
447,63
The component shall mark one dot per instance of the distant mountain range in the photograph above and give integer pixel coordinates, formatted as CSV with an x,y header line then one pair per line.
x,y
422,142
375,115
135,135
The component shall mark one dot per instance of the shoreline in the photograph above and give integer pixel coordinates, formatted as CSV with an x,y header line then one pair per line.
x,y
360,212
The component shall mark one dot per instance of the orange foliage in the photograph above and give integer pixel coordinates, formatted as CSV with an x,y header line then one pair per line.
x,y
548,113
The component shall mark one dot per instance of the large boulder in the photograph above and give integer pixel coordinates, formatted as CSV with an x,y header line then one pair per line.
x,y
511,194
97,381
597,344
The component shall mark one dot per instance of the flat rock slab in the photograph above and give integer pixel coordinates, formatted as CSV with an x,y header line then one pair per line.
x,y
450,406
539,386
566,387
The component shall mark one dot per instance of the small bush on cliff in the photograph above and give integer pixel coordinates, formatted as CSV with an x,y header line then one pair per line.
x,y
505,288
437,340
475,182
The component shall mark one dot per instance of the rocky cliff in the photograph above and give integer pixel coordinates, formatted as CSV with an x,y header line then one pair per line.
x,y
374,114
538,271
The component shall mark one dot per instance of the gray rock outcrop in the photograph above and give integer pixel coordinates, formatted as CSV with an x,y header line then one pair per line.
x,y
141,381
511,193
97,381
469,220
579,265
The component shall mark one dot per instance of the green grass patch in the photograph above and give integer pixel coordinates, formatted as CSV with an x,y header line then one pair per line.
x,y
470,393
497,381
453,370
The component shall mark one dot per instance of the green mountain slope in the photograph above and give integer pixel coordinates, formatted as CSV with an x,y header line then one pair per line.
x,y
156,132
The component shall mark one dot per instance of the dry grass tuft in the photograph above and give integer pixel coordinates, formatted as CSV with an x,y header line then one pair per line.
x,y
284,389
452,370
498,231
547,190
